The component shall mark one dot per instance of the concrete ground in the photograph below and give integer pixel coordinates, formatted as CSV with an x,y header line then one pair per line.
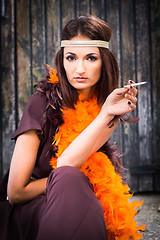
x,y
149,214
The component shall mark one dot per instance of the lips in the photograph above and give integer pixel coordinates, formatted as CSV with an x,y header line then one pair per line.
x,y
80,79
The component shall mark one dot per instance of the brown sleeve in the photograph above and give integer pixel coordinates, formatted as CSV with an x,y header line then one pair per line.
x,y
32,117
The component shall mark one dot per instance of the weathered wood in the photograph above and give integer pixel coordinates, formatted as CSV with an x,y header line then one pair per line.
x,y
8,82
23,55
67,13
130,134
1,159
38,39
30,37
97,11
144,102
112,13
155,53
83,7
53,40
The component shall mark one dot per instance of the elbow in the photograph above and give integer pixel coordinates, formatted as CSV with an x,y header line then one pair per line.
x,y
13,196
61,161
12,199
67,161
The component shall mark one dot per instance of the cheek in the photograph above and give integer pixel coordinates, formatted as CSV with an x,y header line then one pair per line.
x,y
66,68
69,68
65,65
97,71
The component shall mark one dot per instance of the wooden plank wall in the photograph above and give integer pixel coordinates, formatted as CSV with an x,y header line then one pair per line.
x,y
30,37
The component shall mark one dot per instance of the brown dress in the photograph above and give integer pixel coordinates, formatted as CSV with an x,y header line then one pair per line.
x,y
68,210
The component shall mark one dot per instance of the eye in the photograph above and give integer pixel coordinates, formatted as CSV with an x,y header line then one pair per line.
x,y
92,58
70,58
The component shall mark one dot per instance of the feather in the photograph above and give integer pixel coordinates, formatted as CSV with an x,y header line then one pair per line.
x,y
108,186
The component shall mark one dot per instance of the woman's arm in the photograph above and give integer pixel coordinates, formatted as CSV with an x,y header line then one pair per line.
x,y
98,132
88,142
20,187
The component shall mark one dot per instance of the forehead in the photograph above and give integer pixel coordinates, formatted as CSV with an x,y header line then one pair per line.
x,y
81,49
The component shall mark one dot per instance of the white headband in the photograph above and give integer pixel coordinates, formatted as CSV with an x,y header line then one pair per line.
x,y
90,43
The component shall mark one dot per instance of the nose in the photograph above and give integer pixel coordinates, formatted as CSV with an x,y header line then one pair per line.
x,y
80,67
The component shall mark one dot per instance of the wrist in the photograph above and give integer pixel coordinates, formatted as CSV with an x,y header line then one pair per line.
x,y
106,119
106,114
109,118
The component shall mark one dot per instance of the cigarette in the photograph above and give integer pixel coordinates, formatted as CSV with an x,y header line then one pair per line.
x,y
135,84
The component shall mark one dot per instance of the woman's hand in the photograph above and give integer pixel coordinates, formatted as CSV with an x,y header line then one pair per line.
x,y
120,101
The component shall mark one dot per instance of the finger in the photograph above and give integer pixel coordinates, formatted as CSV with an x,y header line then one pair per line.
x,y
131,98
133,90
121,91
130,82
131,106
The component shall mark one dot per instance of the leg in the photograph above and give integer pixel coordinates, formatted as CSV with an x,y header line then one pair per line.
x,y
21,221
72,210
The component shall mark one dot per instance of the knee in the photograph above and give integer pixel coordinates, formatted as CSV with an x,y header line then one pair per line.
x,y
67,173
70,174
69,179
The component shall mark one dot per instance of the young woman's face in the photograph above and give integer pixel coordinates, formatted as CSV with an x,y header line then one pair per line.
x,y
83,66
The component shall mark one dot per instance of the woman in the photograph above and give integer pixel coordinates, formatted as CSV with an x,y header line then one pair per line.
x,y
65,123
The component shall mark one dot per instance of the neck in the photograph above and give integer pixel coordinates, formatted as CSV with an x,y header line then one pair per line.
x,y
87,93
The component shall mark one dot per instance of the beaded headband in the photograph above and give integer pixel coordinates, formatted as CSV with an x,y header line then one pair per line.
x,y
90,43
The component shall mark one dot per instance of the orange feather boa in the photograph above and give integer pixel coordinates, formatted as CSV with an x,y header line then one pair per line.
x,y
119,213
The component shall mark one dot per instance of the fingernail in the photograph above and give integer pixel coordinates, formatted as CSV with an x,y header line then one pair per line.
x,y
127,95
125,88
129,103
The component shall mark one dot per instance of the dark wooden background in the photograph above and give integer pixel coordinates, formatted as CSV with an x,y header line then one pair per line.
x,y
30,37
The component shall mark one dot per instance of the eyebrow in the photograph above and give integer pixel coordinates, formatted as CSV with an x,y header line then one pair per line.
x,y
89,54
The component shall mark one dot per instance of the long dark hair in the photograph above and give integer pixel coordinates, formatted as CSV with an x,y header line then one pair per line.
x,y
95,29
